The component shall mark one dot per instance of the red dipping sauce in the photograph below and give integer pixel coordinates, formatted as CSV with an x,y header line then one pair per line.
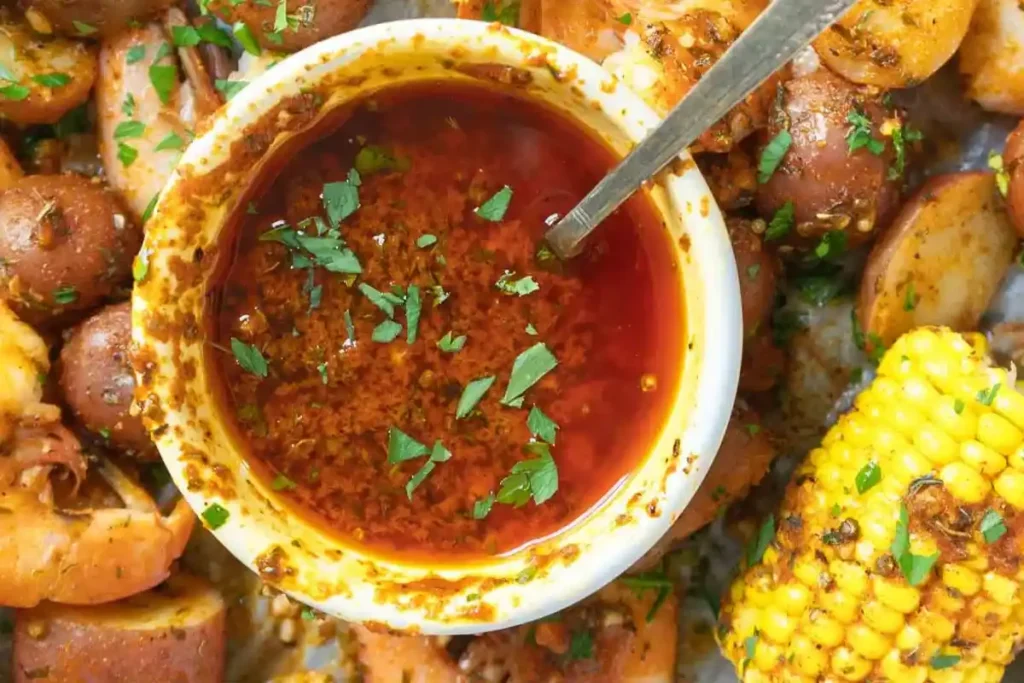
x,y
403,360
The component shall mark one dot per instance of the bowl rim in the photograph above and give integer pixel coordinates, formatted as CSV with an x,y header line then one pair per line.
x,y
719,337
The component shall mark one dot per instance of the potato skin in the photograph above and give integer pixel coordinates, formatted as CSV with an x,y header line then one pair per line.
x,y
325,19
97,381
1013,159
62,236
174,632
758,270
108,17
830,187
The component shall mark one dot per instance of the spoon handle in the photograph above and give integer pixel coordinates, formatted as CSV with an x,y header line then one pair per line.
x,y
778,34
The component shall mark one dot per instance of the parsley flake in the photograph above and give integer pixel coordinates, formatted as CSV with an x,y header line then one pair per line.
x,y
992,526
941,661
759,544
995,162
386,332
65,295
402,447
136,53
424,241
249,357
914,567
910,297
52,80
521,287
451,344
859,135
536,478
868,477
341,199
986,396
472,394
541,426
772,155
413,307
282,483
494,209
482,507
229,88
246,39
529,367
215,515
15,93
781,223
171,141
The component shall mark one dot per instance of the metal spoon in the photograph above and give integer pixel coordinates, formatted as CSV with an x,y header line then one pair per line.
x,y
778,34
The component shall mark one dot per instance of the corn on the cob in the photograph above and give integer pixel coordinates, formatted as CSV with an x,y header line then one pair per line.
x,y
896,553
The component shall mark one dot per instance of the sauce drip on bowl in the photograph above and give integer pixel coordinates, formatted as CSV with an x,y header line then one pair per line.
x,y
410,407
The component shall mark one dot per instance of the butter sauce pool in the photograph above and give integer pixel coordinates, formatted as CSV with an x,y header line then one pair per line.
x,y
403,361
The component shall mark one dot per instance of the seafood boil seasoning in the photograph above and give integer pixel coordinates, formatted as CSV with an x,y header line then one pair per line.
x,y
405,361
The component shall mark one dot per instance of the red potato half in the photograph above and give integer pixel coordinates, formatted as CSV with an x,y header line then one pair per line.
x,y
172,633
1013,160
941,261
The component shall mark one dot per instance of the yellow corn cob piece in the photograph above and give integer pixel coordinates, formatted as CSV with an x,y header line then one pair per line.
x,y
896,553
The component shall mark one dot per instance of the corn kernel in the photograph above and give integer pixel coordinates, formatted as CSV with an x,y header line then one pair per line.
x,y
909,465
877,528
961,579
919,392
964,482
934,625
924,343
1016,459
900,597
998,433
984,672
793,597
936,445
841,606
825,631
947,602
1000,588
777,626
818,457
991,612
842,453
744,621
808,569
946,676
807,657
881,618
999,648
895,670
1010,486
850,666
850,577
866,642
1010,404
960,425
831,476
767,656
859,432
976,558
909,638
982,458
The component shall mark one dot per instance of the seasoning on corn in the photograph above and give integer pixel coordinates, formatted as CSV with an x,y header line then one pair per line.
x,y
897,552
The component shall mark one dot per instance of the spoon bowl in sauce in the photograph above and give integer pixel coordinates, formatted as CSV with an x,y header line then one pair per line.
x,y
371,380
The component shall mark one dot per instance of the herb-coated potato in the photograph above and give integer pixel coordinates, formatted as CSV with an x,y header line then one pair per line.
x,y
991,59
65,243
895,43
1013,163
941,261
830,186
97,380
90,18
308,21
51,75
174,632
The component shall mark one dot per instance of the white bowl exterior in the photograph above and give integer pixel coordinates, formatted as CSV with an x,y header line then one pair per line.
x,y
554,573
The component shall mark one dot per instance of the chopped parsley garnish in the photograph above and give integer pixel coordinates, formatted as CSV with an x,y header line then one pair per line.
x,y
83,28
424,241
308,614
626,19
246,39
781,223
171,141
150,208
958,406
859,136
281,16
581,645
378,299
482,507
992,526
868,476
910,297
215,515
128,105
494,209
126,154
341,199
52,80
386,332
249,357
986,396
531,330
14,92
995,162
772,155
753,270
105,433
505,12
402,447
759,544
818,289
521,287
438,454
164,78
832,245
541,426
901,135
65,295
472,394
184,36
282,483
127,130
914,567
322,370
413,306
529,367
451,344
165,50
136,53
940,661
229,88
140,266
536,478
350,328
374,159
656,581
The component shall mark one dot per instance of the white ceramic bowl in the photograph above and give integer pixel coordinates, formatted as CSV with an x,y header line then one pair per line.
x,y
174,388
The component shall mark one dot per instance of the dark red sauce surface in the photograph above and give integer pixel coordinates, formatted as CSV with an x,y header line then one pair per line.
x,y
317,426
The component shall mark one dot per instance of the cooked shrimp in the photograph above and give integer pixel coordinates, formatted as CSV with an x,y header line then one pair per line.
x,y
895,43
42,78
671,45
991,58
24,359
165,118
605,638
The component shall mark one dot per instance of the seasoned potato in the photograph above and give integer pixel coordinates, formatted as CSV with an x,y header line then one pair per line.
x,y
97,381
895,43
941,261
991,59
1013,161
174,632
65,244
51,75
10,169
309,21
839,171
732,178
757,269
90,18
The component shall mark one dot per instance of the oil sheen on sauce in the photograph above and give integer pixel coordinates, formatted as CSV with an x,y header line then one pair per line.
x,y
464,393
